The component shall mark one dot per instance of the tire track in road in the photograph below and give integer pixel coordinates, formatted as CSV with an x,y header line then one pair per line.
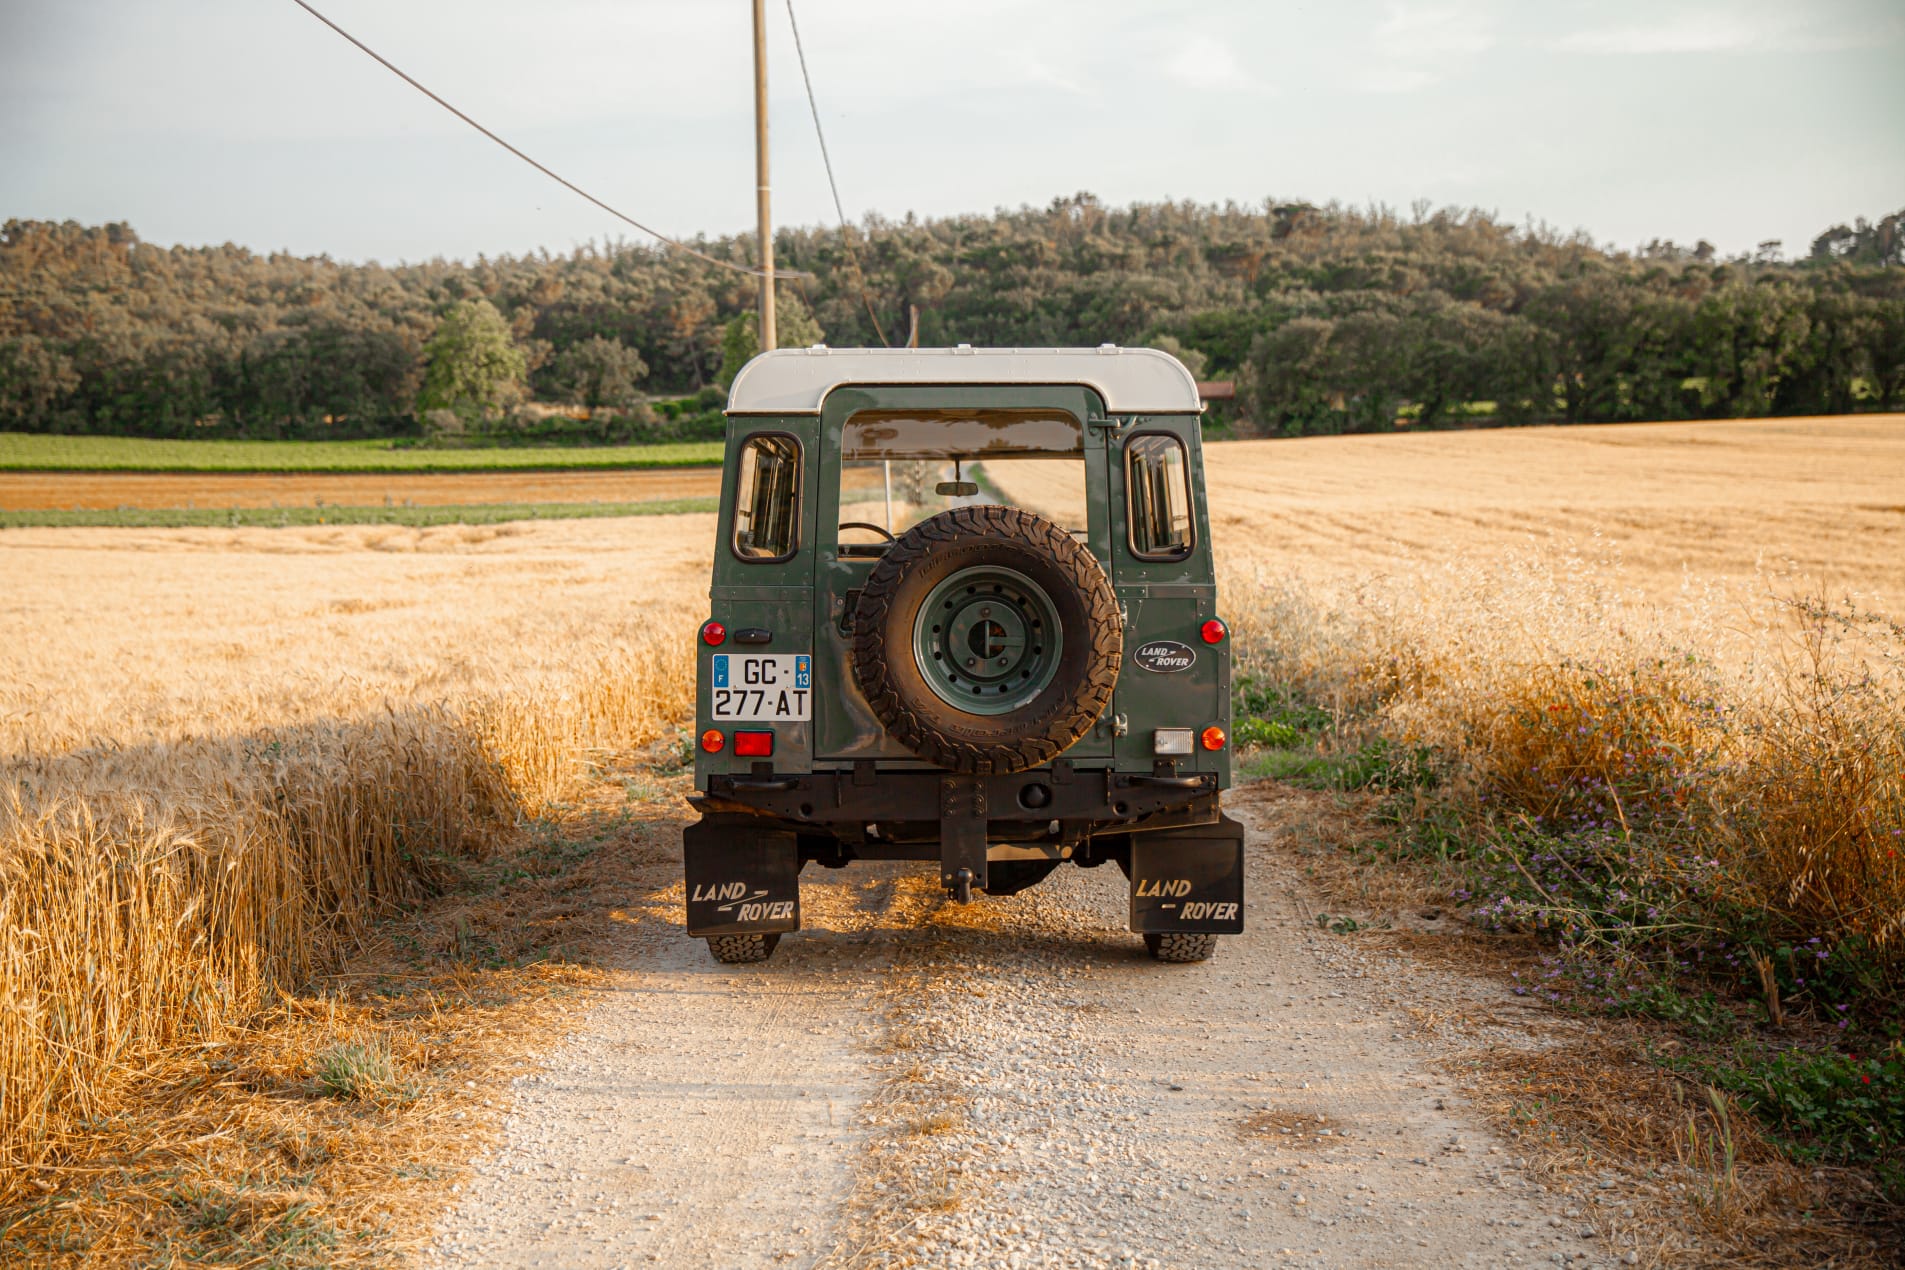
x,y
1055,1098
858,924
702,1115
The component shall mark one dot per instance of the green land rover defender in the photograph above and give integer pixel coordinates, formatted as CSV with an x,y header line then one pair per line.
x,y
963,610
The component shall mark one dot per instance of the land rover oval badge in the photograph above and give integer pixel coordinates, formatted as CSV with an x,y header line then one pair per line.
x,y
1165,656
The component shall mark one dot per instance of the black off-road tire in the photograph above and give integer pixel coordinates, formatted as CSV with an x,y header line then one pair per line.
x,y
736,950
1045,727
1181,947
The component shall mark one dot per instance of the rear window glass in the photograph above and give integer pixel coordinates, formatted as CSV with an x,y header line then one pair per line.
x,y
900,467
1157,479
767,498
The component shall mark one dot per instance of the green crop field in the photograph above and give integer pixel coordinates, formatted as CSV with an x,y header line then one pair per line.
x,y
33,452
285,517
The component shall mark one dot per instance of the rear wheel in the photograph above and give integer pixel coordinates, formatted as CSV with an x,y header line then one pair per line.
x,y
1181,947
740,949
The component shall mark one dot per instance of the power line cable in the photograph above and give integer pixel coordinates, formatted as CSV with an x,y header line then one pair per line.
x,y
560,180
839,210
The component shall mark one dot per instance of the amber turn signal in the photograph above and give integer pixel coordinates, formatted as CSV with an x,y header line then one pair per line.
x,y
713,633
1215,630
1213,738
712,740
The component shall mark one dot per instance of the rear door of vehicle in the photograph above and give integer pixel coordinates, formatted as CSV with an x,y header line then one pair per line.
x,y
846,729
764,600
1171,678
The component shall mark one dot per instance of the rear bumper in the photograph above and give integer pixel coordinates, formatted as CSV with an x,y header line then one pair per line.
x,y
1182,856
1056,803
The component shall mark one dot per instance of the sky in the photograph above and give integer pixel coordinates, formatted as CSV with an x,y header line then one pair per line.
x,y
247,121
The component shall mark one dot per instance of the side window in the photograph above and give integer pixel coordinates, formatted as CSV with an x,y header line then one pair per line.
x,y
767,499
1157,484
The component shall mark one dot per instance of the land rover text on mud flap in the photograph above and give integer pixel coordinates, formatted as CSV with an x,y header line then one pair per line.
x,y
963,611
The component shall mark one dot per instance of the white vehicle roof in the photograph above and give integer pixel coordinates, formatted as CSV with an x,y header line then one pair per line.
x,y
796,381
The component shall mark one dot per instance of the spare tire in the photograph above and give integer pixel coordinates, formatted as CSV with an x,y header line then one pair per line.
x,y
987,640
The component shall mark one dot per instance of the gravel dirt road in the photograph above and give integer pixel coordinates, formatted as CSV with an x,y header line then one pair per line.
x,y
912,1082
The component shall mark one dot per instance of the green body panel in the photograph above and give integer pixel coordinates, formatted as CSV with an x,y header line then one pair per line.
x,y
803,600
776,597
1171,600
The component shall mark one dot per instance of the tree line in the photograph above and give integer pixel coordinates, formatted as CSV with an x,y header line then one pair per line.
x,y
1329,318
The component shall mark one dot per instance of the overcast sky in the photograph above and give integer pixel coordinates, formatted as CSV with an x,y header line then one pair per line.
x,y
247,121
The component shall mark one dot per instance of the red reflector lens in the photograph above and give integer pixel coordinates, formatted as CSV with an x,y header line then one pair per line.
x,y
753,745
714,633
1214,631
1213,738
712,740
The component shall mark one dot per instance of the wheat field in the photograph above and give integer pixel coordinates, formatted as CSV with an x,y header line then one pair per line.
x,y
135,636
1748,506
223,751
1676,642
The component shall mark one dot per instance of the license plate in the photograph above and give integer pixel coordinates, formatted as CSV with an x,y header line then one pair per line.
x,y
763,687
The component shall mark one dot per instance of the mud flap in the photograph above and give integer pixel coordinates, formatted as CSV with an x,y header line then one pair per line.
x,y
742,879
1188,881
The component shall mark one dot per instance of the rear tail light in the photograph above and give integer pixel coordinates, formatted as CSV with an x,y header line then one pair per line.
x,y
1214,631
754,745
712,633
1214,738
712,741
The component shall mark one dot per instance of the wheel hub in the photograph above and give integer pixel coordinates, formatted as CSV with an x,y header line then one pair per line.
x,y
987,640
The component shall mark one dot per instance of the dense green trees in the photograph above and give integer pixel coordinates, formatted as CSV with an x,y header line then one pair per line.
x,y
1329,318
601,374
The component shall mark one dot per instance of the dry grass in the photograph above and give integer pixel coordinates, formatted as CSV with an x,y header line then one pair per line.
x,y
1722,512
1697,1181
133,636
1686,675
1761,763
238,1151
172,869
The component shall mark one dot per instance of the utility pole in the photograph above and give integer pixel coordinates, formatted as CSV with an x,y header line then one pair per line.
x,y
768,334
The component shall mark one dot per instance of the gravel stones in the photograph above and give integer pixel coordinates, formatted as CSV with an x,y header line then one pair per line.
x,y
1010,1083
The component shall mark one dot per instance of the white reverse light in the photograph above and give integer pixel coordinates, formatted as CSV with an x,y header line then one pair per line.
x,y
1172,741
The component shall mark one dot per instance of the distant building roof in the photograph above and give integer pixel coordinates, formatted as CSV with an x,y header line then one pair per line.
x,y
1216,389
797,380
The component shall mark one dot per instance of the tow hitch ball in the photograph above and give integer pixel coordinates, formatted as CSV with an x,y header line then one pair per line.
x,y
961,888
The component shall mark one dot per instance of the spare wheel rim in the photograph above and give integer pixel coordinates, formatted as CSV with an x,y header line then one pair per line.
x,y
988,640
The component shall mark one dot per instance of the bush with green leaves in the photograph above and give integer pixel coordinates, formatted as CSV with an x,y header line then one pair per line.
x,y
471,365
